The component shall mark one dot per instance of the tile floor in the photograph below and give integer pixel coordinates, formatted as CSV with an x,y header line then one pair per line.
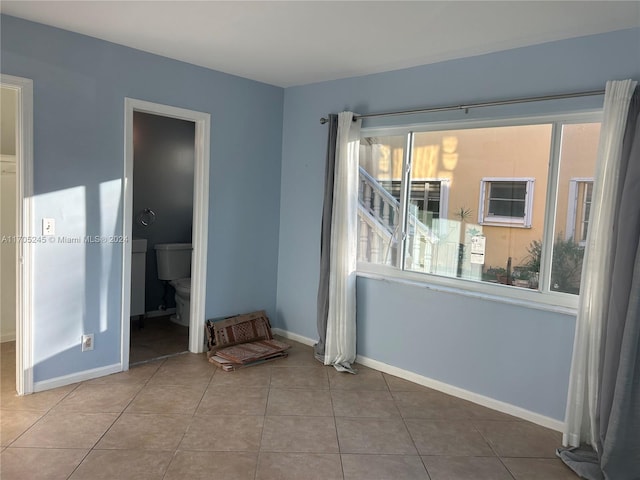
x,y
181,418
157,338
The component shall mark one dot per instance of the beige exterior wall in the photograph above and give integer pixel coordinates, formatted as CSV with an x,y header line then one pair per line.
x,y
465,157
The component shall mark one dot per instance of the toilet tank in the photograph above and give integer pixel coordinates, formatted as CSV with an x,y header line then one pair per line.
x,y
174,260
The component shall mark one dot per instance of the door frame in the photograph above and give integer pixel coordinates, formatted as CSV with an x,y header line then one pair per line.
x,y
199,233
24,230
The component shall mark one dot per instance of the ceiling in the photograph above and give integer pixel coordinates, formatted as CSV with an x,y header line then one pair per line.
x,y
301,42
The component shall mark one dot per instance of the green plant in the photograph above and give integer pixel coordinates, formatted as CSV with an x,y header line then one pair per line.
x,y
566,265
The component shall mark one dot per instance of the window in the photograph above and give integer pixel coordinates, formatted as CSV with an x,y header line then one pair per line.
x,y
505,201
458,205
579,209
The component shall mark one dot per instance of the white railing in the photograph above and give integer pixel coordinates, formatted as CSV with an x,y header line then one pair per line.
x,y
379,214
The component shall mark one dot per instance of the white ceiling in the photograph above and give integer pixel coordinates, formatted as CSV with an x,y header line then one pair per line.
x,y
300,42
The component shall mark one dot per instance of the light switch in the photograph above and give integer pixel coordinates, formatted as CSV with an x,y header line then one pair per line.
x,y
48,226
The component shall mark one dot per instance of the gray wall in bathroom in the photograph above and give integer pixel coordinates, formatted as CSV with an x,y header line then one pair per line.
x,y
163,169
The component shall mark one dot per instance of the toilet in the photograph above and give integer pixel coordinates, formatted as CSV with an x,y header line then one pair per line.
x,y
174,265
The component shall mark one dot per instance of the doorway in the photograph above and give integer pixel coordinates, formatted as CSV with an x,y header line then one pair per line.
x,y
16,105
175,218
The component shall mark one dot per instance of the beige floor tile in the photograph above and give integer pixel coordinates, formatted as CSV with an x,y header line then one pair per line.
x,y
363,403
146,431
240,433
297,434
178,399
365,379
374,435
246,377
225,400
466,468
212,466
539,469
292,401
41,401
298,356
182,375
67,430
432,405
99,398
519,439
138,374
39,463
383,467
438,437
299,377
14,423
123,465
295,466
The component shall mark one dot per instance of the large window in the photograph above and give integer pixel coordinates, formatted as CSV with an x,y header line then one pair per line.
x,y
460,204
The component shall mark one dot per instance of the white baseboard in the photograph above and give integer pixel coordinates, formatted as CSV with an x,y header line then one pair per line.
x,y
294,336
8,337
476,398
76,377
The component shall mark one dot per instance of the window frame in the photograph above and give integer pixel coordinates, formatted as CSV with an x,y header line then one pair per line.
x,y
501,221
543,298
572,207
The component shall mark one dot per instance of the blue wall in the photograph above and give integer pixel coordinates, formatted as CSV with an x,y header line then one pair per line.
x,y
510,353
79,88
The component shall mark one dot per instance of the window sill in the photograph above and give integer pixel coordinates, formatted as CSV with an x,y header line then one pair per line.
x,y
551,302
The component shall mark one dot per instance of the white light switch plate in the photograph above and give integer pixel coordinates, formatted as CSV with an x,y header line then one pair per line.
x,y
48,226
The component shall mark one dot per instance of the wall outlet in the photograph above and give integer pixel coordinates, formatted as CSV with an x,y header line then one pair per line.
x,y
48,226
87,342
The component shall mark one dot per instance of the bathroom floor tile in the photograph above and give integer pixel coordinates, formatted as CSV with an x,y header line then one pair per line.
x,y
363,403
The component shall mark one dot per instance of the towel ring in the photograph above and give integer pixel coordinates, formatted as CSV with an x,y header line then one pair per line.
x,y
146,217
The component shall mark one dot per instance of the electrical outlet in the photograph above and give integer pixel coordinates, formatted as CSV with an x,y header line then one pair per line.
x,y
48,226
87,342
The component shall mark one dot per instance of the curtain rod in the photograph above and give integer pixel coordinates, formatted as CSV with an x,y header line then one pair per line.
x,y
466,107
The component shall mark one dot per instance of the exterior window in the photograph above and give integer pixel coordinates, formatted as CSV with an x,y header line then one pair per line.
x,y
506,201
460,204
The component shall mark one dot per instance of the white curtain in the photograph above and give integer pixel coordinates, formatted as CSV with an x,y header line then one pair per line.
x,y
581,418
340,348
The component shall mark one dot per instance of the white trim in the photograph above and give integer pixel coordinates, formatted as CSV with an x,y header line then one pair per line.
x,y
572,208
200,218
294,336
476,398
76,377
497,221
24,229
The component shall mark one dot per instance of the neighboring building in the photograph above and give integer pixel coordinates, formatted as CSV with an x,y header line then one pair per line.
x,y
492,181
